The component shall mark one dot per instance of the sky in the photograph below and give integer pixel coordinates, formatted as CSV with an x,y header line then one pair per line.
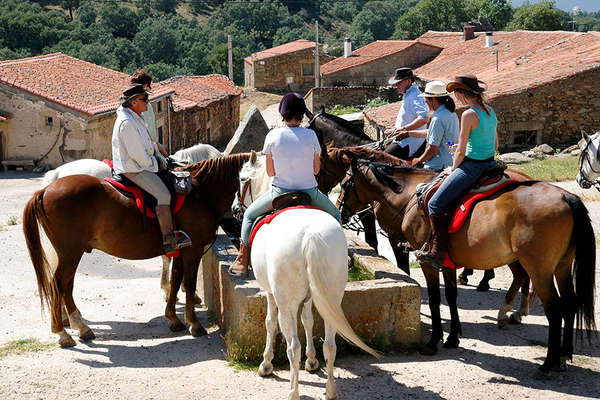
x,y
567,5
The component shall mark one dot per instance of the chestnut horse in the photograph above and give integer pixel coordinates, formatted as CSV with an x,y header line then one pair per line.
x,y
81,212
544,228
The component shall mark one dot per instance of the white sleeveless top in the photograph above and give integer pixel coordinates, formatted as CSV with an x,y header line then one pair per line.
x,y
293,151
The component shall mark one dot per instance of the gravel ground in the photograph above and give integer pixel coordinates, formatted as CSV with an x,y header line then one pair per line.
x,y
135,354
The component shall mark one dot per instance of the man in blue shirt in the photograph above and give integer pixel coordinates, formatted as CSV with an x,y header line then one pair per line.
x,y
412,116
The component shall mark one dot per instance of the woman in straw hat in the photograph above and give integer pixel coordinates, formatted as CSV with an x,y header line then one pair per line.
x,y
477,145
442,131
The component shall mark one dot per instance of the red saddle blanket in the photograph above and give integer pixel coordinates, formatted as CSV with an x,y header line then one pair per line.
x,y
139,198
270,217
461,214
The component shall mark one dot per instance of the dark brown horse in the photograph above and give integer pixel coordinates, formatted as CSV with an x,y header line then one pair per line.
x,y
545,229
79,213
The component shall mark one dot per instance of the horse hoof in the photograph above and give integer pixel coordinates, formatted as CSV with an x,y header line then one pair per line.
x,y
451,343
197,300
502,323
265,369
483,287
176,326
87,335
311,365
515,319
428,349
543,373
561,366
197,330
67,341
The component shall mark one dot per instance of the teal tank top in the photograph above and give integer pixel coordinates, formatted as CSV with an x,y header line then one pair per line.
x,y
482,140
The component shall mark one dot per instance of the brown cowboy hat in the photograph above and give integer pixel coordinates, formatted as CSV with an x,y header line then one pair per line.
x,y
401,74
467,82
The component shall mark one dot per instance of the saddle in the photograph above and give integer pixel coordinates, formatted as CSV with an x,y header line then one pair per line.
x,y
284,202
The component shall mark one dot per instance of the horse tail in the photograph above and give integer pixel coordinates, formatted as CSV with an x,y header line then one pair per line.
x,y
49,177
33,215
313,249
584,266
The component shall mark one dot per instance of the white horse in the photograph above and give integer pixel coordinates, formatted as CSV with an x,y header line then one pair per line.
x,y
298,258
101,170
589,166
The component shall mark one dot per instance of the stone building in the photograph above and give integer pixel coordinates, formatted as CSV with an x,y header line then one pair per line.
x,y
542,85
290,66
61,108
206,109
375,63
346,96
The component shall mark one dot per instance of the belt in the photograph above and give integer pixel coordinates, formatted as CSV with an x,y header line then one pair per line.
x,y
479,161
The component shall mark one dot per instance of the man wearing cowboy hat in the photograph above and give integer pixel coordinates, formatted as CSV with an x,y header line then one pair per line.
x,y
412,116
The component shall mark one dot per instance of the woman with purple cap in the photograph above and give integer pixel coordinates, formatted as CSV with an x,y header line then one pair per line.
x,y
293,159
477,145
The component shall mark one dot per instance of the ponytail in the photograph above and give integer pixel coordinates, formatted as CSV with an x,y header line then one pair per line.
x,y
448,102
479,98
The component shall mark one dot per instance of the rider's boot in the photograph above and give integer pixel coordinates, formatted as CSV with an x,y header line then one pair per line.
x,y
439,242
240,266
171,242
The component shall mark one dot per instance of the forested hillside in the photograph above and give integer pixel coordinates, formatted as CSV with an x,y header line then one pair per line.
x,y
173,37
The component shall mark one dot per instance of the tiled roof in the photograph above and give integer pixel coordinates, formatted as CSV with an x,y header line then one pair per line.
x,y
365,54
192,91
525,58
70,82
296,45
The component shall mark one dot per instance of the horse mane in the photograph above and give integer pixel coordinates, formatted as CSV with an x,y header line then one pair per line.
x,y
348,125
349,128
197,153
216,171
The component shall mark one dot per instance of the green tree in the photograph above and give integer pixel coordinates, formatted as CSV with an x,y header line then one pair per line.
x,y
497,12
161,71
118,20
376,21
159,40
8,54
69,5
166,6
437,15
86,13
218,61
542,16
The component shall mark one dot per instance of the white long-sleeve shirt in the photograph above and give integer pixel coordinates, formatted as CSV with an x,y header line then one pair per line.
x,y
133,150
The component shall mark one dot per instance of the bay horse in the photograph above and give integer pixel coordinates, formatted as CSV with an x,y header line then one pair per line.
x,y
101,170
298,258
80,212
542,227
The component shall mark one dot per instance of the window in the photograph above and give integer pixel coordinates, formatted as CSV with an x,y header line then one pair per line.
x,y
49,121
159,107
160,134
308,69
525,138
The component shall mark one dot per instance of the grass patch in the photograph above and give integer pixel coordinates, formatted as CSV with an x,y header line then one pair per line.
x,y
24,346
550,169
414,264
341,110
12,220
243,366
358,273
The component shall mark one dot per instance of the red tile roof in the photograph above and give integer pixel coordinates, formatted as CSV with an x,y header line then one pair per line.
x,y
192,91
525,58
70,82
296,45
368,53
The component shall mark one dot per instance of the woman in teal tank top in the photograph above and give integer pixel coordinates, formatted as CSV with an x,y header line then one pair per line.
x,y
477,145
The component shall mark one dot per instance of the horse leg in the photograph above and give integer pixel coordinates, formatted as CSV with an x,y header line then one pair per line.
x,y
368,222
518,276
175,324
451,294
164,276
402,260
266,367
65,316
329,350
288,322
515,318
63,278
463,278
564,279
432,278
190,276
311,364
75,319
484,284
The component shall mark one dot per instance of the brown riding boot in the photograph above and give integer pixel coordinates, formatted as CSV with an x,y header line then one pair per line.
x,y
171,242
438,246
240,266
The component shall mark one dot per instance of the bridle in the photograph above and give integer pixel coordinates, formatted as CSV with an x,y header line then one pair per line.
x,y
346,187
584,157
240,209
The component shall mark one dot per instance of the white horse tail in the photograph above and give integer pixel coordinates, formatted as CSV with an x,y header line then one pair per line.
x,y
313,249
49,177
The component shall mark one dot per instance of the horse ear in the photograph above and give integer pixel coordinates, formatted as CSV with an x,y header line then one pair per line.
x,y
322,109
253,157
585,136
309,114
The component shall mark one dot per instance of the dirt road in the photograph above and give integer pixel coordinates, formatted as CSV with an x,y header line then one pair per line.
x,y
136,356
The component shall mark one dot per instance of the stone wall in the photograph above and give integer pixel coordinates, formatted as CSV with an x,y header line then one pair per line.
x,y
346,96
377,72
214,124
283,72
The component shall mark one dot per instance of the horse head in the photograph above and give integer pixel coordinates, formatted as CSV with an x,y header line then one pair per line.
x,y
253,182
589,164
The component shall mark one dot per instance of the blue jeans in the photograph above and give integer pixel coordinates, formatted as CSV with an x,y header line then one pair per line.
x,y
456,184
263,205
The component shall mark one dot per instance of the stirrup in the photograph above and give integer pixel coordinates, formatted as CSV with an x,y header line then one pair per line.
x,y
176,240
424,255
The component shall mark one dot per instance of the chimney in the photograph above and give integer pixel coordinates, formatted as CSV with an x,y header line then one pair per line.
x,y
489,39
469,32
347,48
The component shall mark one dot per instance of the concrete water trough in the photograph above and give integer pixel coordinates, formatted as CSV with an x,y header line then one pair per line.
x,y
384,312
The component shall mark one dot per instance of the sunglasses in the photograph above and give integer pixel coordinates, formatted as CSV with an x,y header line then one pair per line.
x,y
143,98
